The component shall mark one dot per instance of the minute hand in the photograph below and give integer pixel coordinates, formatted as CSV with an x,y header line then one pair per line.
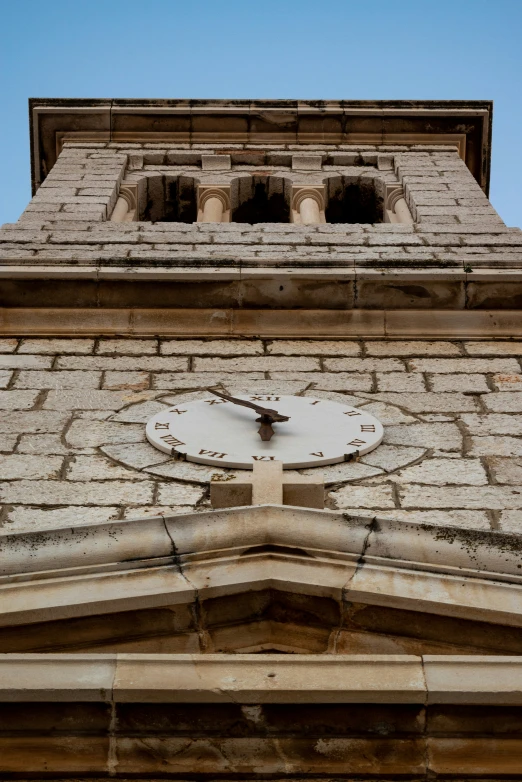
x,y
267,415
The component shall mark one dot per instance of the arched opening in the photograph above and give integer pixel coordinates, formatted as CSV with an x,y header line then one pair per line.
x,y
262,199
168,199
355,199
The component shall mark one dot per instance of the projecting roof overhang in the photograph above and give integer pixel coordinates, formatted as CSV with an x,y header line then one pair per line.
x,y
465,124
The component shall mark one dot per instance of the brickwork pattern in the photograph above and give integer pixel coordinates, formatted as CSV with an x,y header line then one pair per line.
x,y
72,414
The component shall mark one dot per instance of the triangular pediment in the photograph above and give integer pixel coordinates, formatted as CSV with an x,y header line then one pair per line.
x,y
261,579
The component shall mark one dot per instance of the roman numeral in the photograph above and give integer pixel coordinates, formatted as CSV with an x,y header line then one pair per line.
x,y
357,442
175,410
263,458
367,428
216,401
318,453
265,398
214,454
161,426
316,402
352,412
170,440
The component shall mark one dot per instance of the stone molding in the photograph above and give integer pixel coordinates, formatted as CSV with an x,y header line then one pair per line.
x,y
264,323
117,566
249,678
396,209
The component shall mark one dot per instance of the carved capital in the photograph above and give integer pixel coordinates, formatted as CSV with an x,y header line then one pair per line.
x,y
208,209
396,209
126,209
303,193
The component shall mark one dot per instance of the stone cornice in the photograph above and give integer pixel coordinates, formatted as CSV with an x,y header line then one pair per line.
x,y
465,124
100,568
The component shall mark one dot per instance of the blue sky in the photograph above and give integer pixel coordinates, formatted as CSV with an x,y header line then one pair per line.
x,y
460,49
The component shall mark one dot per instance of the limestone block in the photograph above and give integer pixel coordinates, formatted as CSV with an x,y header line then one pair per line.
x,y
53,679
32,421
431,402
99,468
353,381
492,423
56,345
441,365
393,457
257,363
364,365
216,162
124,363
132,381
213,347
387,414
313,347
8,361
179,494
443,436
307,162
364,497
23,518
499,348
56,379
5,377
441,472
139,413
492,445
465,519
506,470
448,382
42,444
19,400
504,402
92,434
127,347
85,400
486,497
400,381
41,492
473,679
8,345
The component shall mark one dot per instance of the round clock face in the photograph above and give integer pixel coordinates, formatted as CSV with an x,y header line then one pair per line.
x,y
218,432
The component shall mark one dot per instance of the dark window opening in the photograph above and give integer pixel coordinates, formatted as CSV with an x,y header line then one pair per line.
x,y
354,200
169,199
262,199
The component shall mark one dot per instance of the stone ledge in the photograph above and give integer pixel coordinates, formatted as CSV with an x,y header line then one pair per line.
x,y
249,678
264,323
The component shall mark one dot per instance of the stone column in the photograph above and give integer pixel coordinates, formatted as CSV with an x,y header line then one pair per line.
x,y
308,204
214,204
395,207
125,210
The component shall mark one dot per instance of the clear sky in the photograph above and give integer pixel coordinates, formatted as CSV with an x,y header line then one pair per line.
x,y
400,49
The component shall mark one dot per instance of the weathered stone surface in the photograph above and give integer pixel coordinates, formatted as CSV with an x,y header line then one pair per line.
x,y
442,472
452,365
430,402
364,497
364,365
392,457
497,348
8,345
506,470
136,455
400,381
448,382
508,402
99,468
492,423
5,377
257,364
10,361
91,434
140,412
507,382
444,436
86,400
468,519
125,363
41,492
24,518
414,348
491,445
211,347
57,345
313,348
179,494
17,466
127,347
29,378
131,381
492,497
387,414
18,400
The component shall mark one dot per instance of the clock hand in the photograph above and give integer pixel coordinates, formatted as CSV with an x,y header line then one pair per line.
x,y
267,415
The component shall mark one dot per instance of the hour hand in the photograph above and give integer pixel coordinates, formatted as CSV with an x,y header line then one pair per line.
x,y
267,415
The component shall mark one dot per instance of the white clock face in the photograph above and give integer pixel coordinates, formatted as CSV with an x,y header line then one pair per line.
x,y
218,432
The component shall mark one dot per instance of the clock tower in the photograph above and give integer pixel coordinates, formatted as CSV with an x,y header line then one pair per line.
x,y
260,445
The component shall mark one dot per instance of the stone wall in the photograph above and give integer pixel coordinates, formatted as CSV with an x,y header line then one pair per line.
x,y
73,444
